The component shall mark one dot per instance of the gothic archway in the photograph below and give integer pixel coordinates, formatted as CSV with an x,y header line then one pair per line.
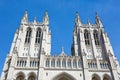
x,y
63,76
31,76
106,77
95,77
20,76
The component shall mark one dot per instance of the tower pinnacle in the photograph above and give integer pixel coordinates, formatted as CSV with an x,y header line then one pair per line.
x,y
25,18
35,20
88,21
98,21
77,20
46,18
63,50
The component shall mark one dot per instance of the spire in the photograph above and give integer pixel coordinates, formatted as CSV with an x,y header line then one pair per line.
x,y
25,18
35,21
62,53
88,21
63,50
46,18
98,21
77,20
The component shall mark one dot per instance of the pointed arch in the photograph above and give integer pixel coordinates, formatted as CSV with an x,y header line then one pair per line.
x,y
79,63
31,76
63,75
47,63
106,77
87,37
53,63
69,63
20,76
96,38
58,63
64,63
38,33
74,63
28,35
95,77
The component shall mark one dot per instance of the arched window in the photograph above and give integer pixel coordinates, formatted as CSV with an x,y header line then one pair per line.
x,y
95,33
74,63
31,77
20,77
33,63
79,64
64,63
30,63
38,33
25,63
28,35
53,63
47,63
69,63
94,78
18,63
58,63
106,77
87,37
22,63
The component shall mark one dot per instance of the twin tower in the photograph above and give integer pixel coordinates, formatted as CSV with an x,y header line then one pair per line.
x,y
92,56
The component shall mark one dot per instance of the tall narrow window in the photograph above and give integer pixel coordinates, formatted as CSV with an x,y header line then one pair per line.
x,y
53,63
95,33
58,63
28,35
86,36
20,77
47,63
69,63
37,40
79,63
32,77
74,63
64,63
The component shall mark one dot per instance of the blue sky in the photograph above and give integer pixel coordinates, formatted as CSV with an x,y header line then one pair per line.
x,y
62,16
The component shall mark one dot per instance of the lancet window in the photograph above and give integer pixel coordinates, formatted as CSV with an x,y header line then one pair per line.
x,y
53,63
95,33
28,35
38,33
69,63
74,63
58,63
87,37
64,63
47,63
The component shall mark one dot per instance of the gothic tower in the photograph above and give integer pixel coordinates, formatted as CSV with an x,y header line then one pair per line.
x,y
91,42
92,56
29,41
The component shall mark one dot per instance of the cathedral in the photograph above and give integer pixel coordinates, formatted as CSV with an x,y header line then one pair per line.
x,y
92,56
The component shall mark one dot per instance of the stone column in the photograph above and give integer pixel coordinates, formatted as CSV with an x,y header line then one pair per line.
x,y
85,65
112,66
41,66
12,64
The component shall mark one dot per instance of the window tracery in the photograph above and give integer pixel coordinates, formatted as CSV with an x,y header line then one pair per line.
x,y
28,35
38,33
87,37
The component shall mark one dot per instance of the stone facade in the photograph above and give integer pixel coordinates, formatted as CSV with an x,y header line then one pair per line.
x,y
92,56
